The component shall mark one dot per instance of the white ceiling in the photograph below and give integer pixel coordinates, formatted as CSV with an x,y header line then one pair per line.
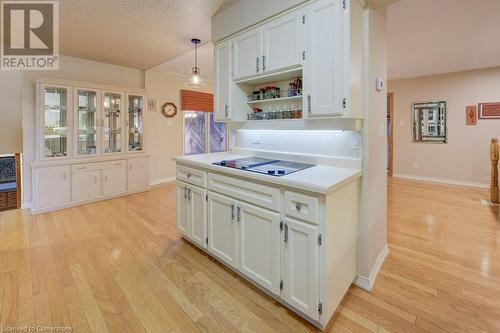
x,y
134,33
427,37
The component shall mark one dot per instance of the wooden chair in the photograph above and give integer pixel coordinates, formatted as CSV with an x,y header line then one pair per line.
x,y
494,154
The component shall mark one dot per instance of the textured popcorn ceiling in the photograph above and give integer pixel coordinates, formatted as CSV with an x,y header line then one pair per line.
x,y
134,33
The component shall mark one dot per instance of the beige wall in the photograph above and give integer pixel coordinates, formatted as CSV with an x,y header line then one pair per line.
x,y
70,69
373,218
11,97
165,135
465,158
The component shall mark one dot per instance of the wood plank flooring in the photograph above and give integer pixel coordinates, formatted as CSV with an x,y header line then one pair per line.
x,y
120,266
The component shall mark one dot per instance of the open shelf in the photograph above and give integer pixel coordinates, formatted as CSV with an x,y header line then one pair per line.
x,y
279,99
272,77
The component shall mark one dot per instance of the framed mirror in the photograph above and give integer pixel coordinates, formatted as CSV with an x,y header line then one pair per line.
x,y
429,122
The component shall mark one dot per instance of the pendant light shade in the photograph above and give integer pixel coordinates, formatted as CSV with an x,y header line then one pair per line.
x,y
195,81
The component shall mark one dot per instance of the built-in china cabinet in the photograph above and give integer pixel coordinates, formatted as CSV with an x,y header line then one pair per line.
x,y
89,143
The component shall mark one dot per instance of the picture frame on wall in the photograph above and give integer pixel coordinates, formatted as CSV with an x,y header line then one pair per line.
x,y
489,110
471,115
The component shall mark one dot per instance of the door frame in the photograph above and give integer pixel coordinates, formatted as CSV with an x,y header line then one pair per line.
x,y
390,139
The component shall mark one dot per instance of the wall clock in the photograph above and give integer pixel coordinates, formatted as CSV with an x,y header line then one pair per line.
x,y
169,110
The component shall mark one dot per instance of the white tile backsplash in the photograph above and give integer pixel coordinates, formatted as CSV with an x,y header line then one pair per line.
x,y
329,143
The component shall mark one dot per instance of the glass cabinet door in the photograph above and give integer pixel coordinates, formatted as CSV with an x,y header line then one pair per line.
x,y
112,127
55,121
135,110
86,122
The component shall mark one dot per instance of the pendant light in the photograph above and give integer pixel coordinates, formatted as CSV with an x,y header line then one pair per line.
x,y
195,81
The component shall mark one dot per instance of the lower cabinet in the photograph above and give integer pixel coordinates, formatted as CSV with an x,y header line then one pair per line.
x,y
192,212
138,177
86,185
53,186
114,179
223,228
300,255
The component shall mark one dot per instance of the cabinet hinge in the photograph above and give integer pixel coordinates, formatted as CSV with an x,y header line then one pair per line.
x,y
320,240
206,240
344,102
303,19
320,308
344,5
281,225
303,55
206,197
281,285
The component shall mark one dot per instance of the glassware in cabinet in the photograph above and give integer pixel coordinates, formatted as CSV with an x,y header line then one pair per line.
x,y
112,123
135,105
55,122
86,122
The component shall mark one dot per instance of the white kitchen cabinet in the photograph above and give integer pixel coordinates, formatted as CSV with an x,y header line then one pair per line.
x,y
86,185
282,39
323,70
197,214
300,253
247,54
182,205
114,178
53,186
138,176
223,228
135,122
259,245
223,66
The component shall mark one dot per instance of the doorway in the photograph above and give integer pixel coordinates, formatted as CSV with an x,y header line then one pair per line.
x,y
390,128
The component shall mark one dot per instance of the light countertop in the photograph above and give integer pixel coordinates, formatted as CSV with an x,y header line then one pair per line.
x,y
322,179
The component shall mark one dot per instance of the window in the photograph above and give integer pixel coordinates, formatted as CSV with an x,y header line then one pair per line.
x,y
202,134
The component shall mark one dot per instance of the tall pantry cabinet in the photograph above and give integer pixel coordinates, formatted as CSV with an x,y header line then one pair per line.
x,y
87,138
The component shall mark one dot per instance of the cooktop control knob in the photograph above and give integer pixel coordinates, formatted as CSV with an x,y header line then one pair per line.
x,y
271,171
223,163
244,167
281,171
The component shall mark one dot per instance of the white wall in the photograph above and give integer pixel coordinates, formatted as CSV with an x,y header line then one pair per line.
x,y
11,84
70,69
165,136
465,158
373,219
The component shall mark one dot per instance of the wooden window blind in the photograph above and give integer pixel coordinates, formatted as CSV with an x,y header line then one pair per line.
x,y
197,101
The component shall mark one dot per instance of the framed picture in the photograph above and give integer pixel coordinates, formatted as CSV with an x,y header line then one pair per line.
x,y
429,122
471,115
489,110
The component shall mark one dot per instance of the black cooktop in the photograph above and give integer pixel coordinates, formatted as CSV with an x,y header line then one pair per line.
x,y
265,165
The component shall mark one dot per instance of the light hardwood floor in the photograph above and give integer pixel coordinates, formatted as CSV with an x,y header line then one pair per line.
x,y
120,266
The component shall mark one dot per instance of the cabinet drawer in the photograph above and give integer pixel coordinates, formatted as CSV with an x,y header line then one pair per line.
x,y
11,199
257,194
191,175
302,206
113,164
84,167
3,200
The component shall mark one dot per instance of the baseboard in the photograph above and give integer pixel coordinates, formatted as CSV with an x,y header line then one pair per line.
x,y
26,205
442,181
161,181
367,283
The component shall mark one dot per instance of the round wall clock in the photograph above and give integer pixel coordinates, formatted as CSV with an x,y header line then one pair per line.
x,y
169,110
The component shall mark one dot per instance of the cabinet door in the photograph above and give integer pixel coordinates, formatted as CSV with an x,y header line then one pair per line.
x,y
282,42
86,185
112,123
247,53
87,106
53,186
114,180
323,47
138,173
197,215
222,59
259,245
300,265
182,208
135,122
54,121
223,228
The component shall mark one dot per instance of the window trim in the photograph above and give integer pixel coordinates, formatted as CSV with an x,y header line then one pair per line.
x,y
207,129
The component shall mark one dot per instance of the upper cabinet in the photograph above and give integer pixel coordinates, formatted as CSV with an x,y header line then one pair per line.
x,y
135,123
323,72
84,122
292,66
247,54
282,40
222,98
